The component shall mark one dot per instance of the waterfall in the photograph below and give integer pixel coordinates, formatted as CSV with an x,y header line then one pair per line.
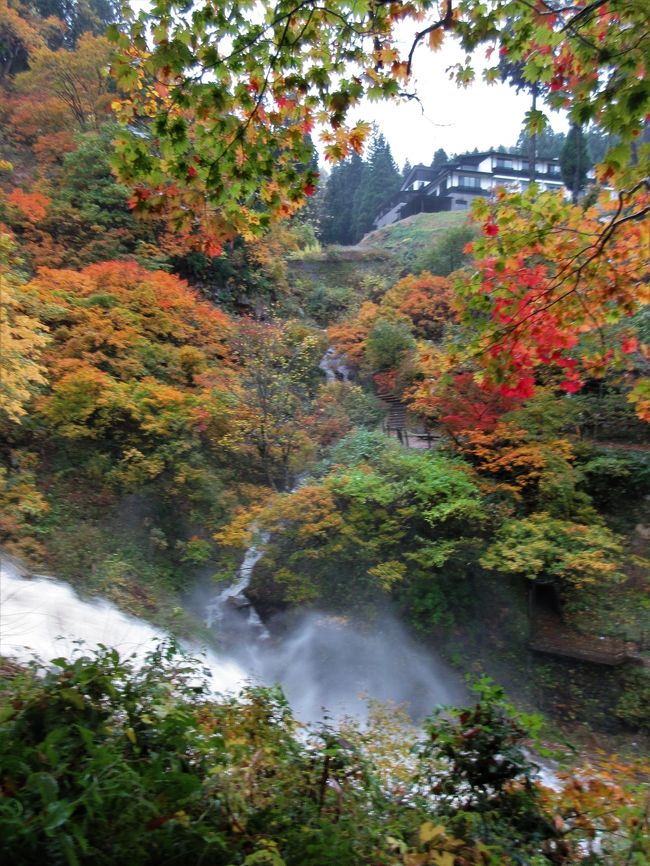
x,y
44,618
324,663
327,664
232,599
334,368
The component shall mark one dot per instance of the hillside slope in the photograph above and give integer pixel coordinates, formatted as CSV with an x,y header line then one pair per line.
x,y
385,254
407,239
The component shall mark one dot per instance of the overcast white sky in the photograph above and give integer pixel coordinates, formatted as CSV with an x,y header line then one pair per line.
x,y
454,118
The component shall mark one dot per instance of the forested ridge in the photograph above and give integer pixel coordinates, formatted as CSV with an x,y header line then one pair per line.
x,y
447,421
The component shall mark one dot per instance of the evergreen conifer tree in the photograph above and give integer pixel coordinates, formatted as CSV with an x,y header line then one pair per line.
x,y
575,161
599,142
379,181
549,143
339,201
439,158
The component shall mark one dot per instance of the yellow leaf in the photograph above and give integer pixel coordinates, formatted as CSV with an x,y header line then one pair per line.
x,y
415,859
428,832
443,858
400,71
436,38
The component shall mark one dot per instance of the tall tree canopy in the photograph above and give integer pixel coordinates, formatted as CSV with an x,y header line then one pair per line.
x,y
75,81
338,202
80,16
380,179
22,30
439,158
355,190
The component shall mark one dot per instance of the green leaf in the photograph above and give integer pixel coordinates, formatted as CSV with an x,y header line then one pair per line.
x,y
7,712
72,696
46,786
56,814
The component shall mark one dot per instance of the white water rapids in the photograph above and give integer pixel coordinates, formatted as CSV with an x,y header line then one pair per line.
x,y
326,665
234,594
45,619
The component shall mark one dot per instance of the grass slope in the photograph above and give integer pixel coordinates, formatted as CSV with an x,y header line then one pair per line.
x,y
406,240
385,254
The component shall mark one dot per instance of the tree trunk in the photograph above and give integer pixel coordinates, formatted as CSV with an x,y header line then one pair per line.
x,y
532,145
575,192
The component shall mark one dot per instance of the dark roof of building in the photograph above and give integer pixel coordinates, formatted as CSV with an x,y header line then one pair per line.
x,y
417,172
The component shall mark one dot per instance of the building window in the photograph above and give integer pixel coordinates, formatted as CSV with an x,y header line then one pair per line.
x,y
554,170
468,180
504,163
461,203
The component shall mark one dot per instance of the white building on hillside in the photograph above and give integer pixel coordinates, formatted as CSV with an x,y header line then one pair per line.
x,y
453,186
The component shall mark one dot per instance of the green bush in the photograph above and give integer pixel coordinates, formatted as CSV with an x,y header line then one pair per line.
x,y
632,707
608,477
103,763
388,344
448,252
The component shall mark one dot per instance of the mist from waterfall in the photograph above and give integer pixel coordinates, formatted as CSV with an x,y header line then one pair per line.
x,y
327,665
331,665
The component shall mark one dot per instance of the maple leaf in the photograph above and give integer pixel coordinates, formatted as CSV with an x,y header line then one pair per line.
x,y
436,39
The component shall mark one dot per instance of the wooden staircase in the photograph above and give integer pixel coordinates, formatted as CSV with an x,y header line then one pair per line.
x,y
395,412
395,424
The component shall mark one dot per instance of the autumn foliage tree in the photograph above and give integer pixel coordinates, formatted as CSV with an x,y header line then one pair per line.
x,y
545,292
137,367
557,268
22,338
574,555
22,31
22,375
62,94
264,98
278,365
421,305
454,401
76,82
379,521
